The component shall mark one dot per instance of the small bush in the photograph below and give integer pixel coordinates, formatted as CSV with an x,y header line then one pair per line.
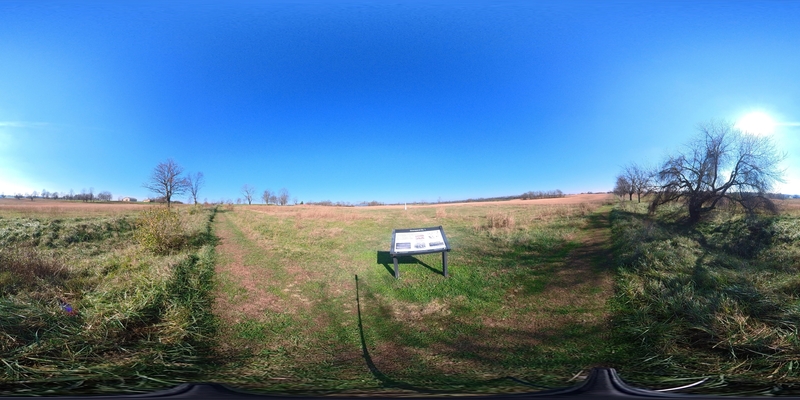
x,y
160,230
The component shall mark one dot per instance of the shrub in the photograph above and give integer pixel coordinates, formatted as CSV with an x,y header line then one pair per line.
x,y
160,230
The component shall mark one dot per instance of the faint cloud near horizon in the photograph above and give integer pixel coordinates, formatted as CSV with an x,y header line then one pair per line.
x,y
22,124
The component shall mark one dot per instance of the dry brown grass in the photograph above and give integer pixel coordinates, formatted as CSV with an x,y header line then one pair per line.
x,y
316,213
24,269
64,208
789,206
595,198
524,217
500,221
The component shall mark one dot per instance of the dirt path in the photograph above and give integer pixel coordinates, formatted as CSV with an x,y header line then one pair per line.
x,y
587,273
576,289
239,295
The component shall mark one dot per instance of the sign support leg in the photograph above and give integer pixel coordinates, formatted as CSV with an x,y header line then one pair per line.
x,y
396,268
444,263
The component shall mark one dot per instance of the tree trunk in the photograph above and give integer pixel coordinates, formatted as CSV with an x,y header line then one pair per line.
x,y
694,213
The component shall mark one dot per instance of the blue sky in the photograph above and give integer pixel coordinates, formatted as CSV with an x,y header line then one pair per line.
x,y
389,101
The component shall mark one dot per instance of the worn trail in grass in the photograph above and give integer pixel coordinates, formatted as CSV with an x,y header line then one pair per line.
x,y
526,300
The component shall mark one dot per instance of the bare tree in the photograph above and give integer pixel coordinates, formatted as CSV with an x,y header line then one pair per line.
x,y
166,181
195,182
640,181
722,165
248,192
266,196
273,199
283,197
623,187
104,196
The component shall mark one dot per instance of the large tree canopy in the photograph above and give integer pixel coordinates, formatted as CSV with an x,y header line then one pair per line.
x,y
722,165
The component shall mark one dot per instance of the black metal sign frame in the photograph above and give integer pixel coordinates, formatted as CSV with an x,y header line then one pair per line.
x,y
419,241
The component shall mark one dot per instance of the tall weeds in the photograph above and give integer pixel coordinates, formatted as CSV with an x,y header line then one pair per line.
x,y
708,299
103,314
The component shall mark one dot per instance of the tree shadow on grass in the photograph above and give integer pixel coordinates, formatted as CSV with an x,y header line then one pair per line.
x,y
429,374
385,258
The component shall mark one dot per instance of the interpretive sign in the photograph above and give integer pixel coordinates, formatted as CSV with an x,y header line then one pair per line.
x,y
406,242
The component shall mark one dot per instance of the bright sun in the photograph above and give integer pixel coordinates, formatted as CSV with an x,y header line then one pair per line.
x,y
757,123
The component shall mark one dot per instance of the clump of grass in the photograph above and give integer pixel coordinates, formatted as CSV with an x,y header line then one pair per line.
x,y
160,230
53,233
707,299
499,221
22,269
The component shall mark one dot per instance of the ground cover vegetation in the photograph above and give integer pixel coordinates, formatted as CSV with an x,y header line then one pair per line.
x,y
103,300
302,299
717,299
308,301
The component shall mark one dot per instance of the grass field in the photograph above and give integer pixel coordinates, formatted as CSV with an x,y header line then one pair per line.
x,y
138,320
309,300
302,299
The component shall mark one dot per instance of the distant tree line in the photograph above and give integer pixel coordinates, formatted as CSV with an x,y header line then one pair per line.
x,y
530,195
280,197
85,195
525,196
331,204
542,195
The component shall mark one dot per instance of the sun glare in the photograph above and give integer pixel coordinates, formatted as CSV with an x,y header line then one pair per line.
x,y
757,123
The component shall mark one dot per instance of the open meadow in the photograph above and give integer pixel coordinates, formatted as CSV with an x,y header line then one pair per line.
x,y
308,298
100,298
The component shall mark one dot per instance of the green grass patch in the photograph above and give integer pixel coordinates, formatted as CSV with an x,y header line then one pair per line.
x,y
85,309
494,317
717,299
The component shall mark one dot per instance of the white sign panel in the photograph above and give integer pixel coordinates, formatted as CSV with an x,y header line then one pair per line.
x,y
421,240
